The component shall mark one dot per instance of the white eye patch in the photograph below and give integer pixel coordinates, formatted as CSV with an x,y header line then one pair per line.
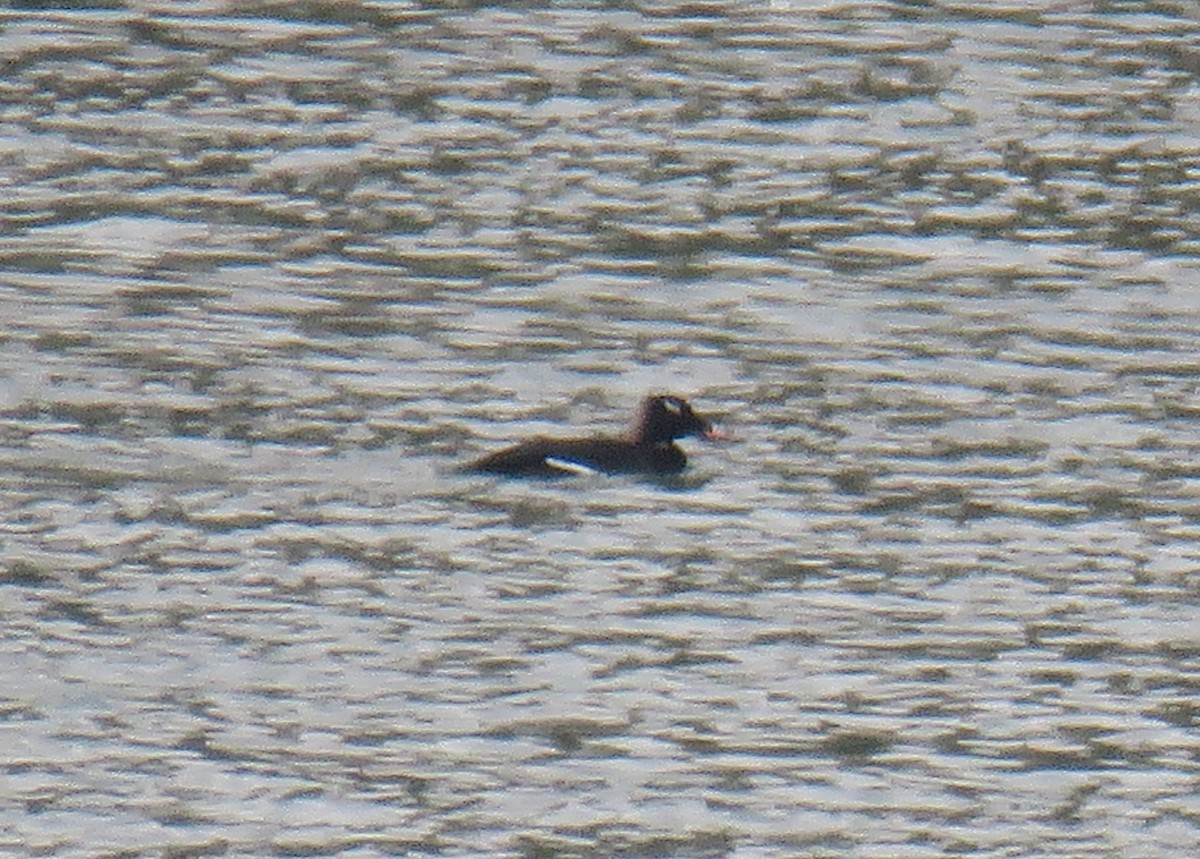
x,y
673,406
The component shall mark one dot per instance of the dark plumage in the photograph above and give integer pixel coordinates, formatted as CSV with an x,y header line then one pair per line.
x,y
648,448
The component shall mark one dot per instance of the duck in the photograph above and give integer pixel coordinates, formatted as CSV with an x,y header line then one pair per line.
x,y
647,448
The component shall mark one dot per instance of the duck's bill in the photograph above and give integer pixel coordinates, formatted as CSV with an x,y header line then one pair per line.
x,y
715,434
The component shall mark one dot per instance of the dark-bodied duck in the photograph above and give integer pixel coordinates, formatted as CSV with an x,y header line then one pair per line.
x,y
647,448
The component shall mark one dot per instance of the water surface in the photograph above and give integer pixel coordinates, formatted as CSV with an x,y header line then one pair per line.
x,y
268,275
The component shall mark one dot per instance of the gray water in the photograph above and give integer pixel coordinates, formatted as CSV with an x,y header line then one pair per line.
x,y
269,272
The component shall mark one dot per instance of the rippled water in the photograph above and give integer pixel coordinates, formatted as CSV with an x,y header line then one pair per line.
x,y
268,272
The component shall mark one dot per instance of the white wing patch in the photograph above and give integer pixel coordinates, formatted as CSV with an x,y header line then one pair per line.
x,y
568,467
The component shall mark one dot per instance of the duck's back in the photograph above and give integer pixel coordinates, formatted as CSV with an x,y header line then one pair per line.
x,y
544,457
